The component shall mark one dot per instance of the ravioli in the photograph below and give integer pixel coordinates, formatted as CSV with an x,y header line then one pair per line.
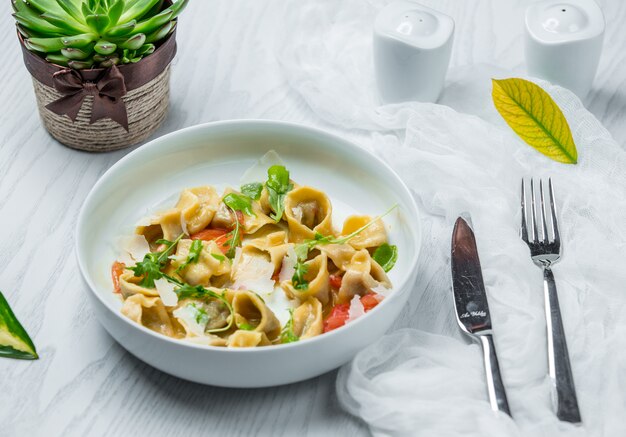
x,y
254,267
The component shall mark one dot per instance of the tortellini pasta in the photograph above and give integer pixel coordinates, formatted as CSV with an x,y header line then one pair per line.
x,y
252,268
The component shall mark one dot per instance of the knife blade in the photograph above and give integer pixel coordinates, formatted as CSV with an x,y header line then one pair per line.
x,y
472,309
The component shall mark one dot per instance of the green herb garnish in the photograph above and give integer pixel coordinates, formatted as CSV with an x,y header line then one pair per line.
x,y
287,335
302,249
386,256
235,238
153,262
194,255
278,186
239,202
14,340
252,190
218,257
201,316
298,281
246,327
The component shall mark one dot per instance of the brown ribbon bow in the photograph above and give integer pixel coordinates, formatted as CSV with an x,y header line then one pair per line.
x,y
107,91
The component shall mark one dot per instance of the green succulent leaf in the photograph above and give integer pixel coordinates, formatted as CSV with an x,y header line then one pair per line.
x,y
134,42
80,65
76,54
44,6
161,33
45,45
78,41
57,58
69,6
98,23
138,9
28,17
115,12
146,49
69,26
154,23
178,7
122,29
103,47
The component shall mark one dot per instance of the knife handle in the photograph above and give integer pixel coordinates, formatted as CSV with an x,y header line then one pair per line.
x,y
558,356
495,387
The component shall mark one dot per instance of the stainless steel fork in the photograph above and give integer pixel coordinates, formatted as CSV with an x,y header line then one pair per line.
x,y
545,250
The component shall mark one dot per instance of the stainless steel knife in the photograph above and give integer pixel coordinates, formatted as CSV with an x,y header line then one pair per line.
x,y
472,310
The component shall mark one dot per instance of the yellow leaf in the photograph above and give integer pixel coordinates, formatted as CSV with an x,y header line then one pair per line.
x,y
535,117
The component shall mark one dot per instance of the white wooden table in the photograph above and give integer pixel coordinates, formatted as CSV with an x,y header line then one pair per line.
x,y
86,384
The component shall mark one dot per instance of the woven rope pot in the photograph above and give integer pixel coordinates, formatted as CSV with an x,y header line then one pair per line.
x,y
145,100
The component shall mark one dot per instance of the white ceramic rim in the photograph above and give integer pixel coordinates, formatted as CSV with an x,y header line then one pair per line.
x,y
155,143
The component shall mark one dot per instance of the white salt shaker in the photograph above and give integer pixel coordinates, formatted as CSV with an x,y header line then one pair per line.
x,y
564,41
412,46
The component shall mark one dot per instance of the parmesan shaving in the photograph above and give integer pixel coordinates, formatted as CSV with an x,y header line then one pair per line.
x,y
133,249
356,308
280,304
166,291
297,213
147,220
254,273
258,171
183,223
289,265
191,319
381,290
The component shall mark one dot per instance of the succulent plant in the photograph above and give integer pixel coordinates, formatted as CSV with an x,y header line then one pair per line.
x,y
94,33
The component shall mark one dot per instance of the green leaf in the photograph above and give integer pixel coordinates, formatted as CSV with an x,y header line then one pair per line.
x,y
45,45
121,30
298,280
278,186
287,335
29,18
153,23
246,326
152,264
134,42
70,9
194,255
178,7
161,33
69,26
218,257
14,340
115,12
98,22
75,54
252,190
386,256
239,202
103,47
57,58
137,9
535,117
78,41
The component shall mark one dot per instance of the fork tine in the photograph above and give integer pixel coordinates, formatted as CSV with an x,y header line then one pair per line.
x,y
544,225
533,217
524,230
555,226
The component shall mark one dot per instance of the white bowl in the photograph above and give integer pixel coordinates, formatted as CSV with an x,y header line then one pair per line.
x,y
218,153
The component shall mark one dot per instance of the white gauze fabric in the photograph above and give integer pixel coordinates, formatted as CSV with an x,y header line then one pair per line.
x,y
426,378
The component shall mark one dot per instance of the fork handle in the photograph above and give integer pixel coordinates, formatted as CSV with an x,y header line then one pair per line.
x,y
558,356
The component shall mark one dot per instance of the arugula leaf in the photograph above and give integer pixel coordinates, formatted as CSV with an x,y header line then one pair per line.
x,y
246,327
194,255
287,335
218,257
302,249
239,202
278,186
298,281
252,190
234,240
153,262
386,256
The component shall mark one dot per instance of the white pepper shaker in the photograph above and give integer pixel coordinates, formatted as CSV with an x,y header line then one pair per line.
x,y
563,42
412,46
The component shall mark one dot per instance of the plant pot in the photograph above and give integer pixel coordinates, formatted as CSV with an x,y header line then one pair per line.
x,y
139,104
